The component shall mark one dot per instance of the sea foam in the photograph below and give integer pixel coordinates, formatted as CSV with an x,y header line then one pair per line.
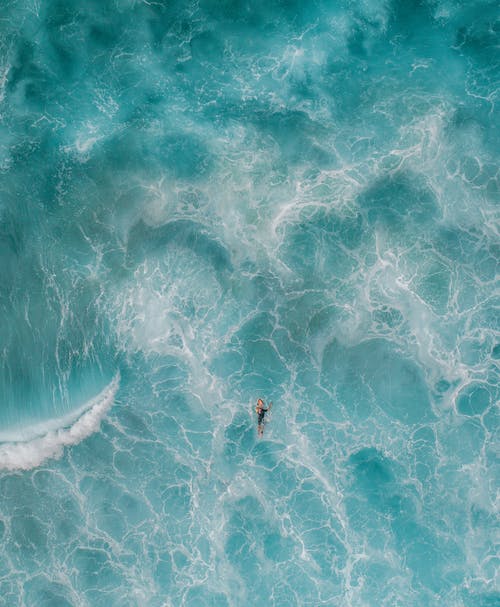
x,y
28,447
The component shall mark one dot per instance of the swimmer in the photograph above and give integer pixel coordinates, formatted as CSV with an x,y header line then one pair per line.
x,y
261,411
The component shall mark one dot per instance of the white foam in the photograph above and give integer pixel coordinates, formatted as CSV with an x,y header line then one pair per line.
x,y
29,447
4,74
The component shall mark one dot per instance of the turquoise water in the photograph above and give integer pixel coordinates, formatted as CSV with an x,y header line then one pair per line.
x,y
206,202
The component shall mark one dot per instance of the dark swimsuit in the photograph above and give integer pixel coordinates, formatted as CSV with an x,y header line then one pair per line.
x,y
261,414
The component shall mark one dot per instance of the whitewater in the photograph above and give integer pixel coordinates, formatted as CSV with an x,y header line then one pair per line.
x,y
203,203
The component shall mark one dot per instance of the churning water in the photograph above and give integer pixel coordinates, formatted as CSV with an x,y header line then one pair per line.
x,y
207,201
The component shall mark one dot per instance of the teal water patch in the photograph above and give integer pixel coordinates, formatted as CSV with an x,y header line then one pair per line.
x,y
181,233
204,203
475,399
56,351
363,376
399,202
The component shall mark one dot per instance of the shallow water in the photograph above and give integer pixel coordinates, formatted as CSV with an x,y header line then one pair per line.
x,y
206,202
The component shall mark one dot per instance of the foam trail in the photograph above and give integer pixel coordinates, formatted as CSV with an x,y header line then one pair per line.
x,y
42,443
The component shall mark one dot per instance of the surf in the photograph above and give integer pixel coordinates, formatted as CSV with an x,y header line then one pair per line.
x,y
30,446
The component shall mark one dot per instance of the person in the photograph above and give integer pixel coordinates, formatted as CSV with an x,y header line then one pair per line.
x,y
261,411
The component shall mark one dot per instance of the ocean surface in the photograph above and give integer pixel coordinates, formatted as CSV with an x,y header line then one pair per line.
x,y
204,202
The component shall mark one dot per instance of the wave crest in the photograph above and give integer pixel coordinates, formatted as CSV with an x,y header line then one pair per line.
x,y
35,444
